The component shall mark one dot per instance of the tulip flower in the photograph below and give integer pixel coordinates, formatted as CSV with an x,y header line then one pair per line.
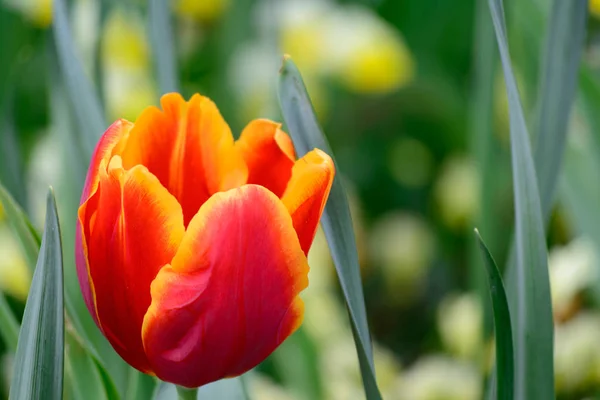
x,y
191,247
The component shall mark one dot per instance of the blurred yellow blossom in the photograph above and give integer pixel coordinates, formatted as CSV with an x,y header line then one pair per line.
x,y
14,274
438,377
459,320
594,6
200,10
577,353
402,245
457,193
128,85
39,12
572,269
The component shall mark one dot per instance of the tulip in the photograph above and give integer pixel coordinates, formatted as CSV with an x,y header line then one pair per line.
x,y
191,247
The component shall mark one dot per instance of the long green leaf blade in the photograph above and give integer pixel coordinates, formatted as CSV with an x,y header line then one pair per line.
x,y
533,328
30,241
9,326
40,352
502,326
84,100
161,39
564,46
337,223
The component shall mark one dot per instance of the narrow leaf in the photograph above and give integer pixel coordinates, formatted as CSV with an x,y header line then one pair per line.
x,y
84,99
161,40
22,228
141,386
306,134
502,326
563,50
40,352
533,328
83,373
9,326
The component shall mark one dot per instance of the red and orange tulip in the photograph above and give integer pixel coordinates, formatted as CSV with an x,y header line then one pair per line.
x,y
191,247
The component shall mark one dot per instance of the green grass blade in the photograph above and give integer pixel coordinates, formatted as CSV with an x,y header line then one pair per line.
x,y
22,228
140,387
9,326
502,326
559,72
84,100
337,224
83,373
40,352
533,327
161,40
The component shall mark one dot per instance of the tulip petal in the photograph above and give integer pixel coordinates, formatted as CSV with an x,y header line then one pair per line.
x,y
189,148
103,150
307,193
133,226
269,154
230,295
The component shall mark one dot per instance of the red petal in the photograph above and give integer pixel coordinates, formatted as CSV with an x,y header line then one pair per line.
x,y
269,154
132,227
230,296
103,150
307,193
189,148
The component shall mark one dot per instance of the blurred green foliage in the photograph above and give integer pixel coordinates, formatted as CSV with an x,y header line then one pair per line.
x,y
407,92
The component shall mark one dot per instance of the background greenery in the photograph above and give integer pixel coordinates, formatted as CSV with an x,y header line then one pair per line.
x,y
411,96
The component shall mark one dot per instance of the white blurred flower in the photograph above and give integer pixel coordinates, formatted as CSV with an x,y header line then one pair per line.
x,y
457,192
403,246
572,268
439,377
577,353
459,321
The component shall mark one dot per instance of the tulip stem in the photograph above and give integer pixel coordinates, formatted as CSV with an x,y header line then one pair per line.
x,y
187,394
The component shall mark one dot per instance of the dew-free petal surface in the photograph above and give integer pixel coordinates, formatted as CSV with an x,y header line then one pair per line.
x,y
230,295
132,227
269,154
189,147
307,193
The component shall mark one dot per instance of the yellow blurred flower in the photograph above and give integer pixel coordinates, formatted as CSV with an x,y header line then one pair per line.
x,y
457,193
594,6
200,10
349,43
128,85
459,320
402,245
39,12
14,274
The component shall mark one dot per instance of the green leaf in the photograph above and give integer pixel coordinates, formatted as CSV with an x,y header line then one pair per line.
x,y
140,387
83,373
230,389
558,81
9,326
302,375
84,100
337,224
533,327
161,39
502,326
40,352
18,221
